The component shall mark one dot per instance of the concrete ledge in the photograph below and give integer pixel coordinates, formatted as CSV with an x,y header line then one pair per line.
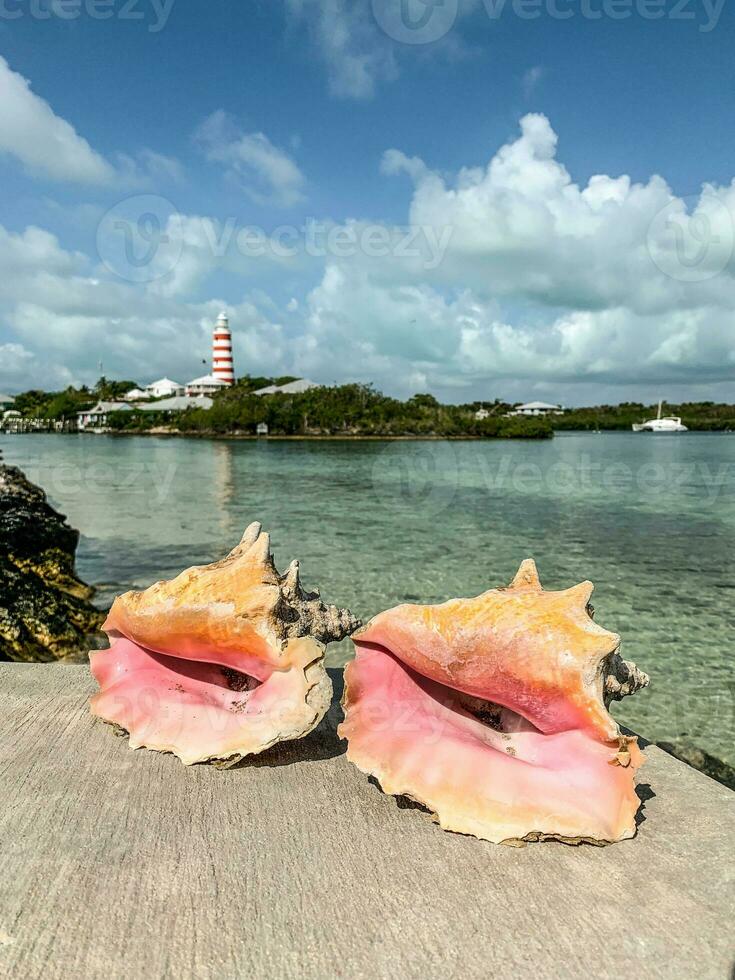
x,y
122,865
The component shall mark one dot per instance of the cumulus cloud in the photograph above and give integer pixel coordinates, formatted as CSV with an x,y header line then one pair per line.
x,y
60,314
464,346
45,143
543,286
522,228
15,362
268,174
49,146
543,282
25,255
138,339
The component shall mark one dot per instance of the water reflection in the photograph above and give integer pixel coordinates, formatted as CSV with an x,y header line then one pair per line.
x,y
224,483
651,520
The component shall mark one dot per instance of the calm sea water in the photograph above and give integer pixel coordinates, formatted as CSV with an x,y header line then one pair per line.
x,y
649,519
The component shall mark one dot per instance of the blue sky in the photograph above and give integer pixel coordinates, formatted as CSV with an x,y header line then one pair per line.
x,y
534,184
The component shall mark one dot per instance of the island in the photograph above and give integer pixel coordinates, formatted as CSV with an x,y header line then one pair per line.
x,y
287,407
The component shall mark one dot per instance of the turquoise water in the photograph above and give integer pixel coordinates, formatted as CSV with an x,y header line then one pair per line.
x,y
649,519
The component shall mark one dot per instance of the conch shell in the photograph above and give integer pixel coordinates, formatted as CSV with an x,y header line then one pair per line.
x,y
221,662
492,712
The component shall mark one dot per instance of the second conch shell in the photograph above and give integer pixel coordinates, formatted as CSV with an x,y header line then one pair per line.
x,y
222,661
492,712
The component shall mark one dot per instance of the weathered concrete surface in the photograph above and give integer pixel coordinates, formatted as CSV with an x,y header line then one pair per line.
x,y
121,864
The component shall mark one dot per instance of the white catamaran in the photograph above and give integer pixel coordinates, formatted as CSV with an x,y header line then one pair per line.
x,y
669,423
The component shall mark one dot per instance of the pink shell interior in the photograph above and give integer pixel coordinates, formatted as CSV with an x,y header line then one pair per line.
x,y
499,780
198,709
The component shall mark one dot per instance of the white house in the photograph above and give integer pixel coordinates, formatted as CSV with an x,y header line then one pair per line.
x,y
537,408
178,404
297,387
206,385
135,395
482,413
96,418
6,401
164,388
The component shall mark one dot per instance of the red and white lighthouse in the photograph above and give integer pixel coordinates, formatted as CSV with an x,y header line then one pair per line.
x,y
222,366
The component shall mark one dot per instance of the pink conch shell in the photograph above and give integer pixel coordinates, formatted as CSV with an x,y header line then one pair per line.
x,y
221,662
492,713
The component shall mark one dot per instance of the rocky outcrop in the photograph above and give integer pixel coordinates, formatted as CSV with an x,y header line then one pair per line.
x,y
45,612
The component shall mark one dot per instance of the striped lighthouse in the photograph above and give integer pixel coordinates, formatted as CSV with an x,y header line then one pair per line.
x,y
222,367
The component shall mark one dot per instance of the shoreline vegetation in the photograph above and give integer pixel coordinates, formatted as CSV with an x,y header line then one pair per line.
x,y
352,411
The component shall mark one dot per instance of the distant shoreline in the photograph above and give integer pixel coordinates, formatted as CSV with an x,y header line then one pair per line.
x,y
350,411
247,437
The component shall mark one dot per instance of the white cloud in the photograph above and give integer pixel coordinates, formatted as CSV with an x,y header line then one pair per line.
x,y
461,344
394,163
568,292
204,248
140,339
15,362
30,253
198,246
148,169
49,146
356,55
41,140
531,77
522,228
267,173
543,283
363,44
64,316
